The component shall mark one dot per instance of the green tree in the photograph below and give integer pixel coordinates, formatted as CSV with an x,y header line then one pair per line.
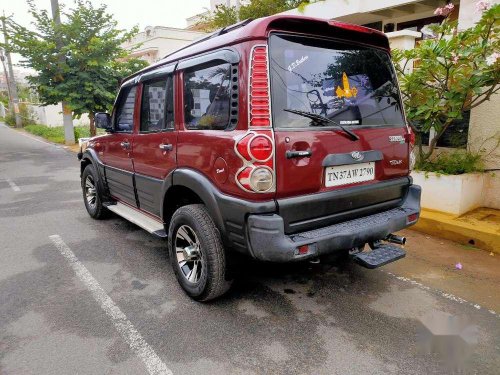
x,y
454,72
224,16
86,70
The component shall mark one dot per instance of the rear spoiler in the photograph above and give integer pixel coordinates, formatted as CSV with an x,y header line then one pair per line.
x,y
331,28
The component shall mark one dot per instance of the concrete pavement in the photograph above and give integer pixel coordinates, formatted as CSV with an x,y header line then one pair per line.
x,y
55,318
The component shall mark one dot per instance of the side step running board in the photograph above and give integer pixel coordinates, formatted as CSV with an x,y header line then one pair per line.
x,y
138,218
379,256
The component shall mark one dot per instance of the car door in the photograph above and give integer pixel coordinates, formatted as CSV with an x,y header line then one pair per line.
x,y
117,156
156,140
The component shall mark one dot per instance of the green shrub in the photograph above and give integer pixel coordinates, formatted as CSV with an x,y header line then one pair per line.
x,y
26,113
56,134
10,119
453,162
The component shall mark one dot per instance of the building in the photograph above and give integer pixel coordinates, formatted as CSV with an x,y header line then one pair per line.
x,y
384,15
156,42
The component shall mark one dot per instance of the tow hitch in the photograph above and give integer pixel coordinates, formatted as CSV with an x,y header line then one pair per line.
x,y
381,253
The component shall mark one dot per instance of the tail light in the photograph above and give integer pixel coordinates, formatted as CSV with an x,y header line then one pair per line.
x,y
410,139
259,113
256,147
256,150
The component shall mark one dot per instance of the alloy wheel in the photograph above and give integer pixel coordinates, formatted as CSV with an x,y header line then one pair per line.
x,y
189,253
90,192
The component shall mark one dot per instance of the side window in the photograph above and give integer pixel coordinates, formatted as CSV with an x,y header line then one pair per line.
x,y
157,106
207,97
124,116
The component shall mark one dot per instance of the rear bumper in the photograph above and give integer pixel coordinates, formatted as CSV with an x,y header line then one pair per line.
x,y
268,241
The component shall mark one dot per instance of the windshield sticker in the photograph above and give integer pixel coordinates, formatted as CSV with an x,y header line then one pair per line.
x,y
346,91
296,63
349,122
328,87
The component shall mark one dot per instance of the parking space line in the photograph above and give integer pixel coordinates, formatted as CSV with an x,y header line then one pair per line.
x,y
441,293
13,184
139,346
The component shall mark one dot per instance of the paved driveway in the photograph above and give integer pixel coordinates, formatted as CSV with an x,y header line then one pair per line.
x,y
98,297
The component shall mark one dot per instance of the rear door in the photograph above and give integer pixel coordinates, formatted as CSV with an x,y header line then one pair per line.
x,y
155,145
350,85
117,155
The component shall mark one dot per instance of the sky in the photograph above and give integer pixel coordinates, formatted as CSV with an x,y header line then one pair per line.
x,y
128,13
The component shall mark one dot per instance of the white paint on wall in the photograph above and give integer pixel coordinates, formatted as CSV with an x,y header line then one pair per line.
x,y
51,115
492,190
334,9
468,14
451,194
403,39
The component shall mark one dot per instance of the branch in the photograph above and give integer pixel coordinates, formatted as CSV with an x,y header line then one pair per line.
x,y
487,95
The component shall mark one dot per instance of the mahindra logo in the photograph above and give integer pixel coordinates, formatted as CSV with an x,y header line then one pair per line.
x,y
356,155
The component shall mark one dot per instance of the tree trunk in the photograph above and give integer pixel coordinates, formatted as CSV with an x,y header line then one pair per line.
x,y
434,141
69,131
418,137
92,124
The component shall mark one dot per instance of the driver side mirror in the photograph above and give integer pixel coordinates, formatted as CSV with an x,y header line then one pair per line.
x,y
102,120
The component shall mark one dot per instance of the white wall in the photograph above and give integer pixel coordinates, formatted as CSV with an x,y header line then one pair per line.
x,y
333,9
451,194
468,15
492,190
51,115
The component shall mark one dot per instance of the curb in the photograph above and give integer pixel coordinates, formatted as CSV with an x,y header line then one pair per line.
x,y
470,229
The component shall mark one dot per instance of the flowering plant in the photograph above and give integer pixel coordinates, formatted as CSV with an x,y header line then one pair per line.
x,y
454,72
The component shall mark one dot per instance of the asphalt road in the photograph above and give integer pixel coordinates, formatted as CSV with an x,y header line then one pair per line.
x,y
99,297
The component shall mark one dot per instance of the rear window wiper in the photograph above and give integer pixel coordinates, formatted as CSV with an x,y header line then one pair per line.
x,y
321,120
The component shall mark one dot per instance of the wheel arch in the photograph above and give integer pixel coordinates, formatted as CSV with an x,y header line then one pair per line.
x,y
186,186
90,157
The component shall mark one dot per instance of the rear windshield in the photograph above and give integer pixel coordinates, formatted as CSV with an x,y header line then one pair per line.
x,y
350,84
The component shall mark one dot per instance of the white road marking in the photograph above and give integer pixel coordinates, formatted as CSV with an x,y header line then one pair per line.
x,y
139,346
449,296
13,184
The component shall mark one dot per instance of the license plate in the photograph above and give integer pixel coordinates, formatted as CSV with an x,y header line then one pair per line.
x,y
349,174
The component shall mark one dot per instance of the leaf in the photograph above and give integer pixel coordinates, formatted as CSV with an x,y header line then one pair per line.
x,y
79,61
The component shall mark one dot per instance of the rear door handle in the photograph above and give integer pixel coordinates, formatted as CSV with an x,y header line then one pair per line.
x,y
166,147
125,145
298,154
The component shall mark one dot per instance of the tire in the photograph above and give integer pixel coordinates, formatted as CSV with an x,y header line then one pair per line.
x,y
93,203
193,239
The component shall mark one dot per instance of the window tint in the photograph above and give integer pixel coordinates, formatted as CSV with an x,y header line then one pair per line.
x,y
125,110
207,97
350,84
157,106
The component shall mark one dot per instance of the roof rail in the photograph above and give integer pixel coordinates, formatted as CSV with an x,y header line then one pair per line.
x,y
216,33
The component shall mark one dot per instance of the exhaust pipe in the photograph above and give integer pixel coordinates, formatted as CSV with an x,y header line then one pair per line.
x,y
396,239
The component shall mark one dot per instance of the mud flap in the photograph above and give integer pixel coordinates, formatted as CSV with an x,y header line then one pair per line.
x,y
379,256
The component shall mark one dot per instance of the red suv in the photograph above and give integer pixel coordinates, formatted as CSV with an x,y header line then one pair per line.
x,y
283,138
